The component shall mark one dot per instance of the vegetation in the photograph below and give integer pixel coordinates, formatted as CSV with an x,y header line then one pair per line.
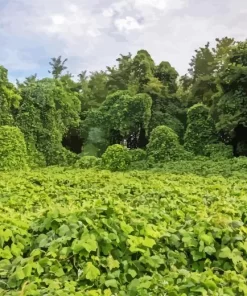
x,y
164,144
126,102
129,181
13,151
86,232
116,158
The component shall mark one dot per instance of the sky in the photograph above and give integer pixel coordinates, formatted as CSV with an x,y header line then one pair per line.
x,y
93,33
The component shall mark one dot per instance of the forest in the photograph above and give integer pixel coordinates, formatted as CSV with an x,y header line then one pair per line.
x,y
130,181
64,117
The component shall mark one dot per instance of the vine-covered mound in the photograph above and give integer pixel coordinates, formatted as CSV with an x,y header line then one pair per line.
x,y
86,232
13,151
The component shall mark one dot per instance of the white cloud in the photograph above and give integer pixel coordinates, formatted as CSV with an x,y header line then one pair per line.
x,y
109,12
127,24
58,19
92,33
160,4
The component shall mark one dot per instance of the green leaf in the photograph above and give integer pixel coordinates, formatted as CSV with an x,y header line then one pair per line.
x,y
127,229
148,242
210,250
64,230
111,263
91,272
15,250
39,268
210,284
19,274
58,271
132,272
28,270
35,252
6,253
207,239
87,242
225,253
111,283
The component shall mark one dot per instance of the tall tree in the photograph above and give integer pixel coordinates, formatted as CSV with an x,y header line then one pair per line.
x,y
9,99
119,76
57,66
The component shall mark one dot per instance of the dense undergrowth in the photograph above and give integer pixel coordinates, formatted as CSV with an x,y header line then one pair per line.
x,y
70,231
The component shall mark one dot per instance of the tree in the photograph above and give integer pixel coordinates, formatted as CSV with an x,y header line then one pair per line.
x,y
119,77
13,151
164,144
143,69
9,99
94,90
230,103
57,66
200,129
167,75
46,114
122,116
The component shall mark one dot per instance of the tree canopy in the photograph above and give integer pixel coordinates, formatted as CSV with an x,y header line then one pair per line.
x,y
65,114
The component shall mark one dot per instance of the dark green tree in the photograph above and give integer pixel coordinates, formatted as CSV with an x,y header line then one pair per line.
x,y
46,114
9,99
200,129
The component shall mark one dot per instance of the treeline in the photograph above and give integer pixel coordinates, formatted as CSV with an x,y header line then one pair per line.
x,y
64,115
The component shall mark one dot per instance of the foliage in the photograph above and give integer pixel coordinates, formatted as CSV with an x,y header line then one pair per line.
x,y
137,154
205,166
116,158
58,66
46,114
9,99
13,151
125,113
74,232
200,129
94,90
164,144
119,77
167,75
230,103
127,101
87,162
218,151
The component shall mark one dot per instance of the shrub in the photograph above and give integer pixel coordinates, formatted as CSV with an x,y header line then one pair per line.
x,y
137,154
36,158
13,151
164,144
116,158
87,162
219,151
58,155
200,129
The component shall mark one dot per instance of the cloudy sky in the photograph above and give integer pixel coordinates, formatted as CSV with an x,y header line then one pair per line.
x,y
92,33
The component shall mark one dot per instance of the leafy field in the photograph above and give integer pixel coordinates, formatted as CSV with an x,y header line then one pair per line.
x,y
86,232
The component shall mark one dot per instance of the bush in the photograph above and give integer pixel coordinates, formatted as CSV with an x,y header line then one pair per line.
x,y
137,154
164,144
219,151
13,151
116,158
200,129
36,159
60,156
87,162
